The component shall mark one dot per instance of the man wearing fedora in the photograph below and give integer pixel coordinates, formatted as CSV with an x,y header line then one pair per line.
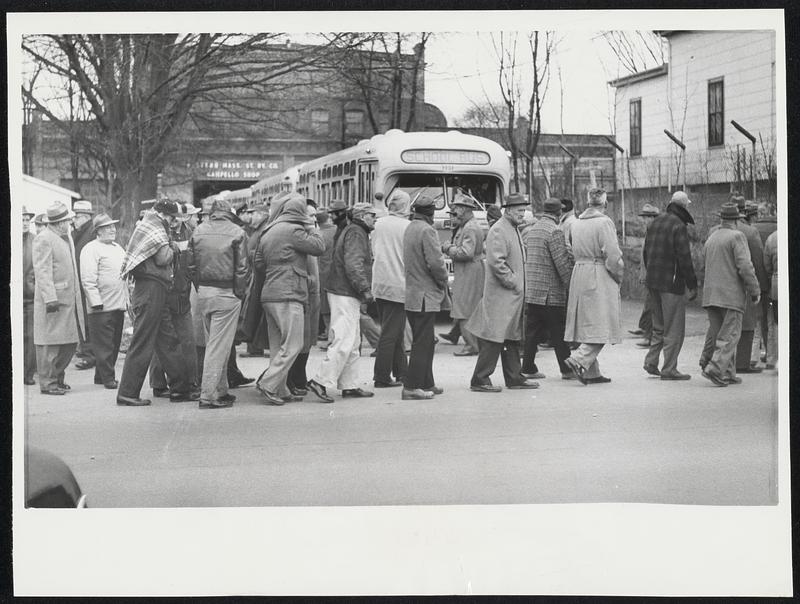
x,y
668,261
426,294
57,323
82,234
106,295
593,307
28,290
149,260
465,248
548,269
730,282
497,319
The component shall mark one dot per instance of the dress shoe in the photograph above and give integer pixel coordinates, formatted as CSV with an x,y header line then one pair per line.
x,y
577,369
54,390
416,394
127,401
182,397
676,375
465,352
716,379
84,364
64,386
301,392
111,385
485,388
319,391
390,384
434,390
636,332
161,392
567,376
240,381
536,375
291,398
448,338
750,370
651,369
272,399
732,380
218,404
524,386
600,379
29,381
356,393
643,344
228,398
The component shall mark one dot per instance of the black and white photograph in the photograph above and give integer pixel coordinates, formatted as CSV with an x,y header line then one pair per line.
x,y
399,303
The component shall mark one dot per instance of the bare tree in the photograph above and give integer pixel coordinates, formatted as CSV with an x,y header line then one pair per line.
x,y
636,50
140,90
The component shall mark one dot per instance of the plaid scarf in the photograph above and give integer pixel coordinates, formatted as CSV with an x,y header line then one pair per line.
x,y
149,236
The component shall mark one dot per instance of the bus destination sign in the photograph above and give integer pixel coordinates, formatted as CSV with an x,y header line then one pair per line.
x,y
444,156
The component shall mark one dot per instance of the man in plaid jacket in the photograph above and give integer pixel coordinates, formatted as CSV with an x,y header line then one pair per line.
x,y
668,261
548,269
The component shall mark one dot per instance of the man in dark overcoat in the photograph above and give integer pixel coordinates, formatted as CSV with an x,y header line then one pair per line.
x,y
81,235
497,320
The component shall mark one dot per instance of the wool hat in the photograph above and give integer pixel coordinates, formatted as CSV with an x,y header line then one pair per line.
x,y
423,201
648,210
82,206
360,209
493,212
680,198
25,212
58,212
552,205
728,211
515,199
221,205
166,206
101,220
337,205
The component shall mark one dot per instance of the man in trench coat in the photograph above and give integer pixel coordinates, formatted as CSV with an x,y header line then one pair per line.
x,y
57,324
497,319
593,307
466,251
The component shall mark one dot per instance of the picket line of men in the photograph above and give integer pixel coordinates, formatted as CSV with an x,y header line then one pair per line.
x,y
559,276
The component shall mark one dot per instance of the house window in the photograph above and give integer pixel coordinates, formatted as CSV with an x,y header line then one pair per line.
x,y
636,127
355,122
320,122
716,113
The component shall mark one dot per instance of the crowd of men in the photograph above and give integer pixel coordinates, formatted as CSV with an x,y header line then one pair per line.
x,y
276,275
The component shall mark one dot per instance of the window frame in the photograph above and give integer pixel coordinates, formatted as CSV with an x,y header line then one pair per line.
x,y
635,131
713,112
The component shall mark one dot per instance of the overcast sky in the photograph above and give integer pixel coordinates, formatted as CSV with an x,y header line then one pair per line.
x,y
462,69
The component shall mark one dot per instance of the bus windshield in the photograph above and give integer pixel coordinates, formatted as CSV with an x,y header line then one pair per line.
x,y
443,188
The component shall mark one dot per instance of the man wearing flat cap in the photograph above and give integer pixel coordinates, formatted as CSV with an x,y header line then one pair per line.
x,y
82,234
106,296
730,282
426,294
667,258
593,308
465,248
349,286
28,290
548,269
497,319
149,261
57,322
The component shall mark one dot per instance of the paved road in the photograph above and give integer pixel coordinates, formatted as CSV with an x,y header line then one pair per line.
x,y
635,440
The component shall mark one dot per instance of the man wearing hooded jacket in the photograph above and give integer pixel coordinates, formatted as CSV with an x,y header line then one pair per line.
x,y
668,261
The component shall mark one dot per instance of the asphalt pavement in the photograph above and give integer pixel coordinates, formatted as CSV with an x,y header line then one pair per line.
x,y
637,439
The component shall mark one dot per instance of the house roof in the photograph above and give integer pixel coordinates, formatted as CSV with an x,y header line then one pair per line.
x,y
48,185
639,76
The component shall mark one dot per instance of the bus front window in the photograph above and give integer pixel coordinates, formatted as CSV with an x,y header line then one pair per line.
x,y
442,188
